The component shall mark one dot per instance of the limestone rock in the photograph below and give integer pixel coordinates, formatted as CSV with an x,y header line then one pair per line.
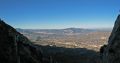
x,y
16,48
111,53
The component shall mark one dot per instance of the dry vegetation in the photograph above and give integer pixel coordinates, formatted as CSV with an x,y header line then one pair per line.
x,y
93,40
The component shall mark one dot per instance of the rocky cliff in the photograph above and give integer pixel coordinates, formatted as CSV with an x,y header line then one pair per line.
x,y
16,48
111,52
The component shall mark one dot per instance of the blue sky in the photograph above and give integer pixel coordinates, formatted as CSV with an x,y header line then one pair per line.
x,y
54,14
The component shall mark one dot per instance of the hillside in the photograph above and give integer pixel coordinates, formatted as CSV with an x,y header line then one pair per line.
x,y
16,48
111,52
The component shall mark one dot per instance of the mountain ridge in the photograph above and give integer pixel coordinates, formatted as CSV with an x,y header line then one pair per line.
x,y
78,30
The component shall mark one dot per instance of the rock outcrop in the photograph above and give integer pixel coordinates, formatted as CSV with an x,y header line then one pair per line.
x,y
111,52
16,48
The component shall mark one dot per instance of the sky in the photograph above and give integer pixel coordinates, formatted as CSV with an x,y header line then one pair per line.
x,y
58,14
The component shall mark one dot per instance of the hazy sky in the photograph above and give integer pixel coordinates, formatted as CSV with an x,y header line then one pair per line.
x,y
59,13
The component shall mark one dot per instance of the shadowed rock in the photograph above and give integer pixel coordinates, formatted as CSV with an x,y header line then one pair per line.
x,y
111,52
16,48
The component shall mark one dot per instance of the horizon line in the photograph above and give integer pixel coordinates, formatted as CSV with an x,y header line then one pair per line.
x,y
70,27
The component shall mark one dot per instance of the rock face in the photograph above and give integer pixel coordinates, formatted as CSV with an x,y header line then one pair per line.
x,y
111,52
16,48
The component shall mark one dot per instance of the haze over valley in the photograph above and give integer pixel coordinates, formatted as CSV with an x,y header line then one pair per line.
x,y
69,37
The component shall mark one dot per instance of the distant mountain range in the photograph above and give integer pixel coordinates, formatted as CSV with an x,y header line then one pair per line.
x,y
34,34
61,31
